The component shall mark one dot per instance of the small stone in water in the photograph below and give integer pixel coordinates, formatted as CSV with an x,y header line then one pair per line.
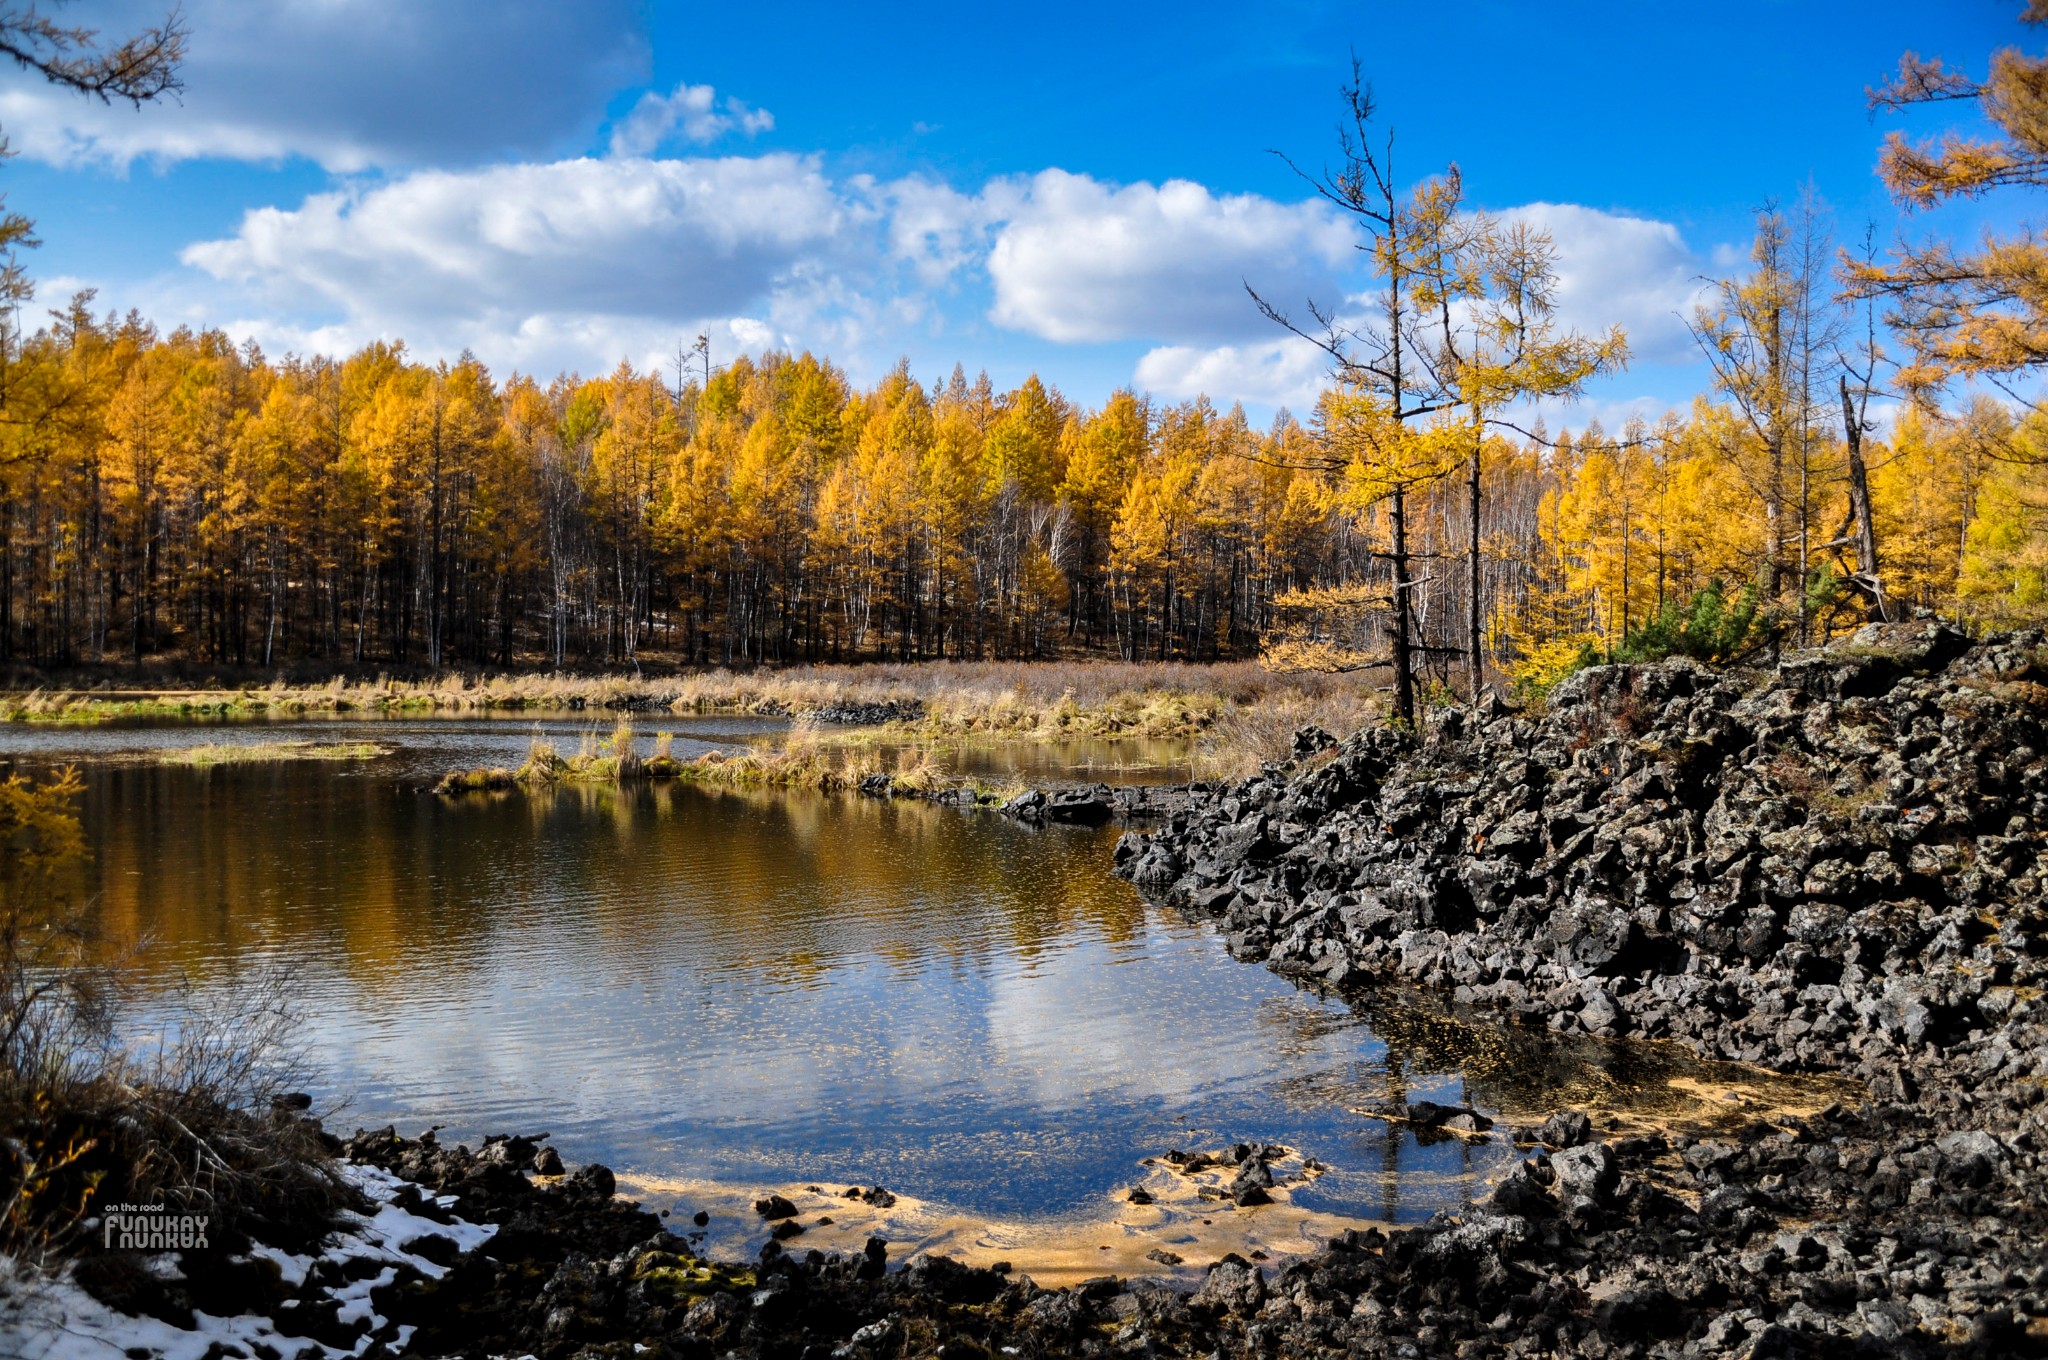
x,y
775,1206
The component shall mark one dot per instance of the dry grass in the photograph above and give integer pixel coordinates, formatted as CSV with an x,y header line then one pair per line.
x,y
479,780
183,1120
450,694
1010,699
270,752
1240,714
808,758
89,1115
804,761
959,699
1249,736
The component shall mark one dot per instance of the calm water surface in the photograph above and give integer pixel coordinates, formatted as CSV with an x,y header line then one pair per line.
x,y
761,987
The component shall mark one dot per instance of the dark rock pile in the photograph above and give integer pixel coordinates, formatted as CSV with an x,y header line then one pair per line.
x,y
573,1270
1836,865
1074,805
1088,806
853,713
1852,1234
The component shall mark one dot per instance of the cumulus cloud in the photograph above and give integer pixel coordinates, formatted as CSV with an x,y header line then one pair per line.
x,y
576,263
351,84
593,258
1079,260
1614,269
692,113
1284,372
624,236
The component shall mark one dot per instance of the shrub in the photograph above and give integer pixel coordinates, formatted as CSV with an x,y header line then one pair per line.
x,y
1706,628
185,1120
1248,737
623,750
1546,663
543,762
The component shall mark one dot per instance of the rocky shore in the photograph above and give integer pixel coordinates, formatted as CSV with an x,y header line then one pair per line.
x,y
1073,805
1833,866
1864,1233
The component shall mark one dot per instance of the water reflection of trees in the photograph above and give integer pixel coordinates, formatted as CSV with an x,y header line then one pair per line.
x,y
757,887
773,885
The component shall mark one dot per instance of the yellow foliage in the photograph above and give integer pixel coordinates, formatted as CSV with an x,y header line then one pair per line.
x,y
1981,313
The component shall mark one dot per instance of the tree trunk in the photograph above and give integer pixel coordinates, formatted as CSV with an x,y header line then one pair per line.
x,y
1476,656
1404,665
1868,580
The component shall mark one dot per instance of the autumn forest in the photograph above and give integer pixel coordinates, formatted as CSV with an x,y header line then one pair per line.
x,y
179,496
176,493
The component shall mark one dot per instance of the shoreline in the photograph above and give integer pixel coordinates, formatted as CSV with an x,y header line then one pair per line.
x,y
1912,1223
1004,694
1242,714
1591,1246
1836,866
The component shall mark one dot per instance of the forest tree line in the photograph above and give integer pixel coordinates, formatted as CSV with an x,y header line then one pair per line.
x,y
183,497
179,495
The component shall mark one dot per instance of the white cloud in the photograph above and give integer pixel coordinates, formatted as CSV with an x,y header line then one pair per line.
x,y
1287,372
1080,260
573,262
350,84
691,113
621,235
939,231
1613,269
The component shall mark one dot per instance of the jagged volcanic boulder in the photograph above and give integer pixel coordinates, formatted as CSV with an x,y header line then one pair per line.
x,y
1836,863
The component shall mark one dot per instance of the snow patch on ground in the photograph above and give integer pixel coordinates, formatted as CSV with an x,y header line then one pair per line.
x,y
54,1319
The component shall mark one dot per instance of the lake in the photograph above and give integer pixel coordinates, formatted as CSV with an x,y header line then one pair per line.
x,y
719,992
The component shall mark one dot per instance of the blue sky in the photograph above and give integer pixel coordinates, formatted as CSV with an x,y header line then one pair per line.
x,y
1078,190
